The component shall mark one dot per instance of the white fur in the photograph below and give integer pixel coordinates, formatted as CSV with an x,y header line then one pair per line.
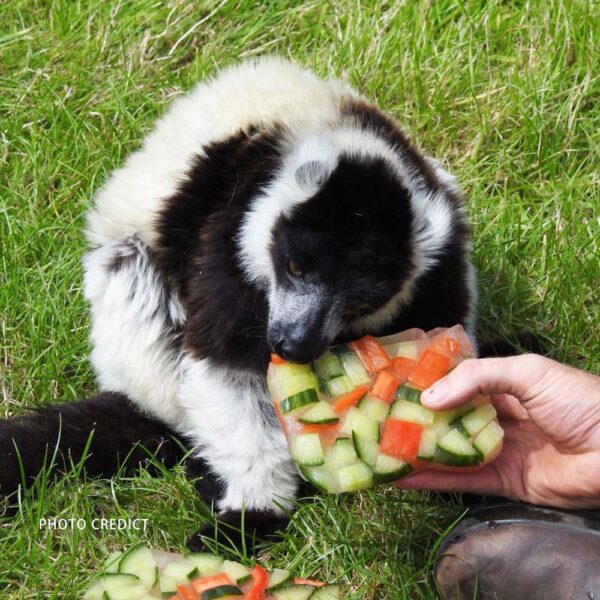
x,y
130,332
232,421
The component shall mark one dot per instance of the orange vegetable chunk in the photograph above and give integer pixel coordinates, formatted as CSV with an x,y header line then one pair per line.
x,y
371,353
350,399
201,584
186,592
431,367
313,582
277,360
260,579
401,439
402,367
385,386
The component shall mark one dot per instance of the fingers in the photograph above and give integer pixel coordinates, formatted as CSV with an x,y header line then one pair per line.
x,y
486,482
514,375
509,408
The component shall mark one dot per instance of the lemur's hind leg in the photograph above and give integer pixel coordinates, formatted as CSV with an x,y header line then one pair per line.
x,y
107,431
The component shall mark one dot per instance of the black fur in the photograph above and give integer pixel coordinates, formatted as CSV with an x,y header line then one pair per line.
x,y
226,317
352,237
237,529
119,437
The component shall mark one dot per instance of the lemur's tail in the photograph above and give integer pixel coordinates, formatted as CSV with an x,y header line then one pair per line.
x,y
106,433
523,342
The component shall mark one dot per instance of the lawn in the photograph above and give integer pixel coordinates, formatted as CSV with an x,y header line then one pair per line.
x,y
507,94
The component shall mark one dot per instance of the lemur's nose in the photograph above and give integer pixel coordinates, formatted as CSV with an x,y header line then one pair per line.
x,y
294,346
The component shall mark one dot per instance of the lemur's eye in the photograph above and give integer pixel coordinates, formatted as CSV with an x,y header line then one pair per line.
x,y
294,269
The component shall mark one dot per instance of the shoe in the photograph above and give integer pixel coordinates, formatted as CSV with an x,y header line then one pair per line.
x,y
513,551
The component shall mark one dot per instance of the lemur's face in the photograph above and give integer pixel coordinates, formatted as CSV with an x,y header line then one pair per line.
x,y
338,260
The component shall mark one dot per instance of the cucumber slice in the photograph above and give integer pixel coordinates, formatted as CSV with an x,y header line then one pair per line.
x,y
294,385
454,450
320,413
443,420
290,370
389,469
136,592
354,368
428,444
322,478
176,572
108,583
294,592
222,592
111,565
327,592
278,579
307,450
207,564
366,448
489,440
408,393
374,408
355,477
235,571
141,562
303,398
471,424
409,411
328,366
339,386
357,421
342,454
405,349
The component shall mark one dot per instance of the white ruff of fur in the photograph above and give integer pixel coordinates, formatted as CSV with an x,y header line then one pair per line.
x,y
244,448
130,332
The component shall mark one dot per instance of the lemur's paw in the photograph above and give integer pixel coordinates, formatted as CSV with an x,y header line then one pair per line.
x,y
245,531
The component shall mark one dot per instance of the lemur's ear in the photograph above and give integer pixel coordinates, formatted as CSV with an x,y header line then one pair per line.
x,y
311,174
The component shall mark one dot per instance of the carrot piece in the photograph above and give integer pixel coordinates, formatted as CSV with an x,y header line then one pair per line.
x,y
448,346
429,369
186,592
371,353
201,584
260,579
277,360
401,367
349,399
319,427
312,582
401,439
385,386
453,344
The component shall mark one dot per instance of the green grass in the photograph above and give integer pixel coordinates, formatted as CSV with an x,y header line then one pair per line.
x,y
507,93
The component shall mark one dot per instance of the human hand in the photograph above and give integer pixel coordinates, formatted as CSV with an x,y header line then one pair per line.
x,y
551,418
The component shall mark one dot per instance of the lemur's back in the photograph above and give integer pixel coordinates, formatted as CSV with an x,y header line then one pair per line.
x,y
254,93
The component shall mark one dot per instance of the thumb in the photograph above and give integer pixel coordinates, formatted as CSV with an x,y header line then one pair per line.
x,y
514,375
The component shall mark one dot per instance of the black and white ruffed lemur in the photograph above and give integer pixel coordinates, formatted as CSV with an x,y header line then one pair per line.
x,y
268,210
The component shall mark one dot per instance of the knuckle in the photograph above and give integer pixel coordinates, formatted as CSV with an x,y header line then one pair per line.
x,y
469,367
535,362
